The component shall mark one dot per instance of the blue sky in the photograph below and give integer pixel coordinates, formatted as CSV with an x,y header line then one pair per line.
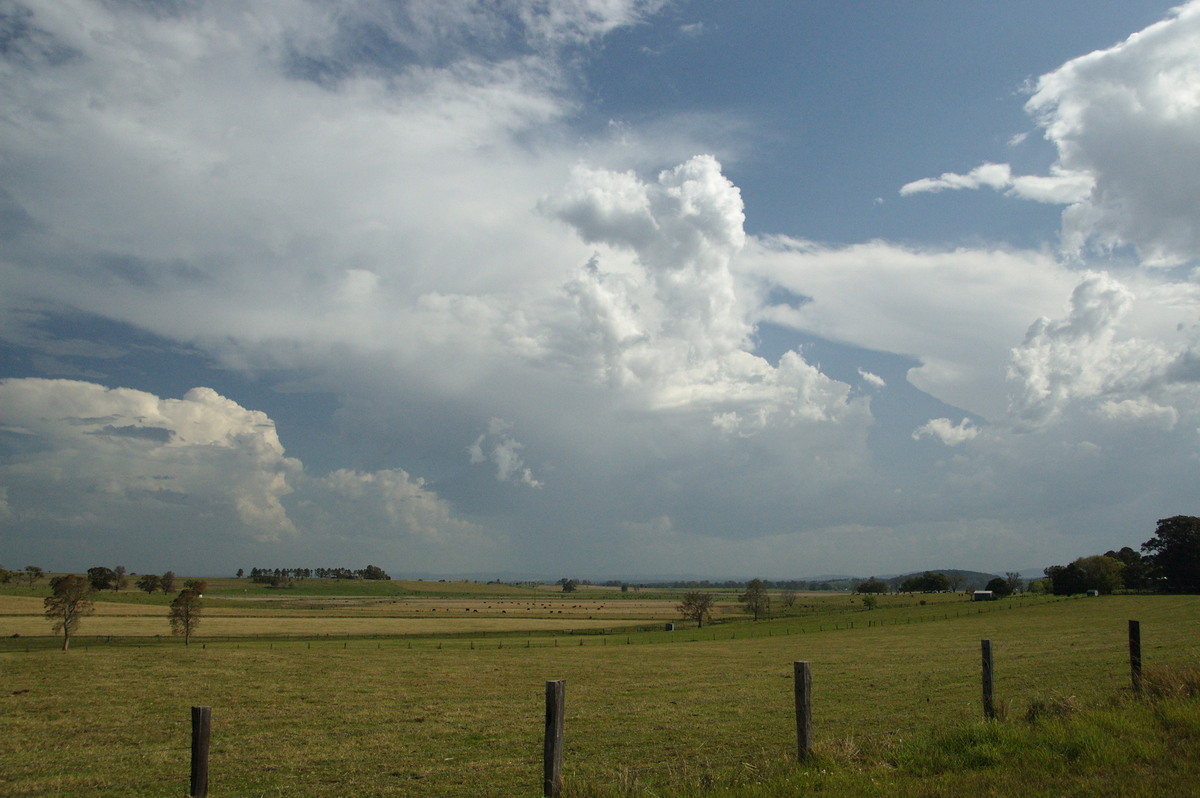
x,y
600,288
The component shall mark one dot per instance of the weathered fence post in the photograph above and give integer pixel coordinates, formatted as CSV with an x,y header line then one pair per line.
x,y
989,706
803,689
552,754
201,731
1135,655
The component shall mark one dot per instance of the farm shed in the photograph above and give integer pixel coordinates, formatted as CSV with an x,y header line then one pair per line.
x,y
983,595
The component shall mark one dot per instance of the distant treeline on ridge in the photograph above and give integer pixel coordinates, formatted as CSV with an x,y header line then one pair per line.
x,y
273,576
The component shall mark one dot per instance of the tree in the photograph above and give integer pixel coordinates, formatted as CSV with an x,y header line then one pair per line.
x,y
70,601
240,573
149,582
33,574
697,606
872,585
197,586
101,578
1000,587
1039,587
1136,574
568,585
167,582
375,572
120,581
185,613
928,582
788,598
756,600
1174,552
1014,581
1086,573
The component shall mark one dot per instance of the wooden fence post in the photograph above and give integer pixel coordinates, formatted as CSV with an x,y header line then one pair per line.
x,y
803,689
989,706
552,753
1135,655
201,731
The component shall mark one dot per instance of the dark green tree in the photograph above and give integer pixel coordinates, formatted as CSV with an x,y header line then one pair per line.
x,y
1174,552
999,586
928,582
1136,573
375,572
872,585
167,582
101,578
69,601
1086,573
149,582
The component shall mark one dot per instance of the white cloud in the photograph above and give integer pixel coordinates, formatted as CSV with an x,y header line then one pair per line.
x,y
956,311
1061,187
503,452
1140,410
1082,356
1129,117
872,379
82,460
947,431
84,454
1126,125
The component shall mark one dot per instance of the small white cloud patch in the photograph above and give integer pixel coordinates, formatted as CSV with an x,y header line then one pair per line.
x,y
502,450
872,379
946,431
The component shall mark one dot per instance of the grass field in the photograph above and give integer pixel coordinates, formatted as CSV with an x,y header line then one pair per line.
x,y
435,710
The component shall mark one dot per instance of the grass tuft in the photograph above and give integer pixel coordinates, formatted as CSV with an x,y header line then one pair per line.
x,y
1177,680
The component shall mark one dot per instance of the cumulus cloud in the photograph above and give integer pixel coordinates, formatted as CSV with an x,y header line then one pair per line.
x,y
82,460
947,431
1083,355
1125,122
413,227
79,452
1129,117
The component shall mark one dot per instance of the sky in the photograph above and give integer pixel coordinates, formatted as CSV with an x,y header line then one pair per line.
x,y
596,288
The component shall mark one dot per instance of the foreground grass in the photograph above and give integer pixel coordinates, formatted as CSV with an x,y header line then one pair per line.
x,y
1130,748
653,714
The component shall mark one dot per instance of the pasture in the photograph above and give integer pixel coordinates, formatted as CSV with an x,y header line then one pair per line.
x,y
417,693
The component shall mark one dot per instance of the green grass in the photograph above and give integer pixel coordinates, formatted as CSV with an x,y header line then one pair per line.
x,y
896,709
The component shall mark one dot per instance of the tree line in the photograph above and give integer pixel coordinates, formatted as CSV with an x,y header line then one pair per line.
x,y
283,577
1168,562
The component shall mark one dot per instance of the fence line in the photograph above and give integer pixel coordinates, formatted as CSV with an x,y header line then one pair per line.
x,y
555,703
203,743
